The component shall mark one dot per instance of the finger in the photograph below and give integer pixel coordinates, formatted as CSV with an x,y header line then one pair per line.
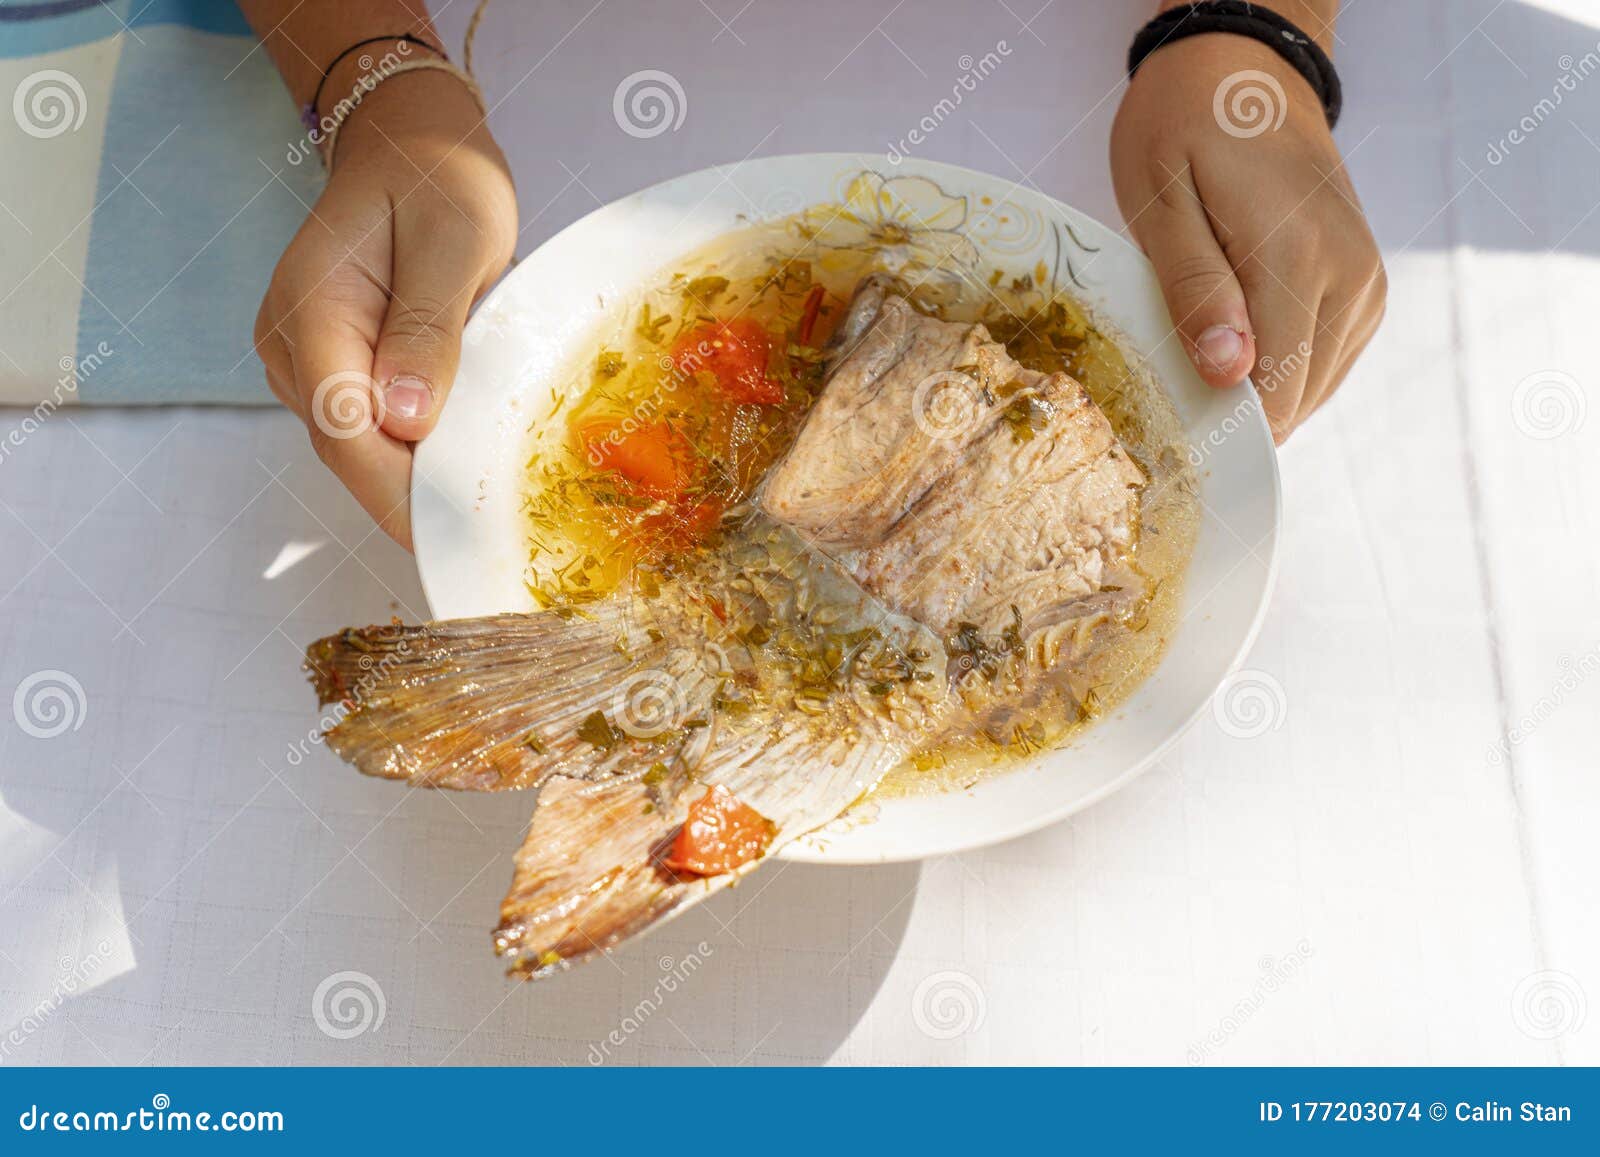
x,y
281,383
1357,319
274,355
420,343
279,367
1335,360
278,363
333,379
1205,298
1289,344
1334,337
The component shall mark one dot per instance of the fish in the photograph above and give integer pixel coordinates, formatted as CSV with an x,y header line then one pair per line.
x,y
961,484
946,527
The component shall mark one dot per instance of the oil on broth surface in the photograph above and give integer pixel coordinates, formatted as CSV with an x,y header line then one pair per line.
x,y
692,391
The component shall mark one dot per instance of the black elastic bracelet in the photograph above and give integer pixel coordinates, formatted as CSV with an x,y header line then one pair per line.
x,y
1258,23
308,115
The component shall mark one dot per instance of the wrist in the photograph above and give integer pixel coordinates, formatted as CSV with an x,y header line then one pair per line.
x,y
1231,54
420,111
362,62
1313,17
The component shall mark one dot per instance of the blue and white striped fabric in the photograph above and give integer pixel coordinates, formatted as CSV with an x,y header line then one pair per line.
x,y
151,171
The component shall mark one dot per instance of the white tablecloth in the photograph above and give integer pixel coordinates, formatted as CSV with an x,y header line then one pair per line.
x,y
1374,881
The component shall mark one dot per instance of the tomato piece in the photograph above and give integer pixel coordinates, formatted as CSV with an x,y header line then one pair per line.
x,y
685,524
808,314
655,458
720,835
736,353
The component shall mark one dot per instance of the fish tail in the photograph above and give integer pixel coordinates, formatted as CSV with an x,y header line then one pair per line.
x,y
504,702
595,867
628,718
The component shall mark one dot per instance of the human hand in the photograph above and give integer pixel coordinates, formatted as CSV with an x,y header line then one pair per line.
x,y
1261,247
360,330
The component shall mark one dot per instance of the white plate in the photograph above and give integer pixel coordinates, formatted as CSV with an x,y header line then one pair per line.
x,y
466,482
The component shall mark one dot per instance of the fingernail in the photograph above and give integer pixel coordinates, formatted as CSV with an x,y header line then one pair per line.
x,y
1220,346
408,397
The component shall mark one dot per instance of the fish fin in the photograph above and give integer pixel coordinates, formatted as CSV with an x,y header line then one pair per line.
x,y
866,301
504,702
591,874
587,876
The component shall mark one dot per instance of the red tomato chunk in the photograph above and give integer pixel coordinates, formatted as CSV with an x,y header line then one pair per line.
x,y
720,835
736,353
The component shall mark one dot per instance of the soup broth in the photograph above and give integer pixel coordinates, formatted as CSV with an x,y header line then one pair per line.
x,y
691,391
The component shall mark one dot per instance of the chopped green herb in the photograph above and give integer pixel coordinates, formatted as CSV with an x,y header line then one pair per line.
x,y
650,326
705,290
597,731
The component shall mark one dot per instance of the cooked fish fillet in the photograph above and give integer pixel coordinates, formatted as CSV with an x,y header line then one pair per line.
x,y
1018,494
792,666
1035,525
863,456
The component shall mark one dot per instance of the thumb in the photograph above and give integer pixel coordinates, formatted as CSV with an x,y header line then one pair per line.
x,y
1205,299
419,345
